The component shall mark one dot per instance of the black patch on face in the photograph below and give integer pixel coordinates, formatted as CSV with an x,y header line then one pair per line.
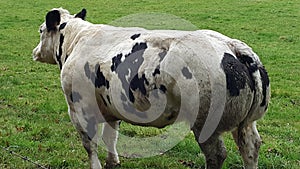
x,y
75,97
62,26
103,100
133,37
127,73
163,88
156,71
59,54
237,74
186,73
97,78
115,62
265,83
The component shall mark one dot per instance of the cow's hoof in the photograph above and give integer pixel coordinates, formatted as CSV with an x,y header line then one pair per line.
x,y
111,165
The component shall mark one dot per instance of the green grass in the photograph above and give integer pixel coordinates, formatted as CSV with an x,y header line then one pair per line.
x,y
33,114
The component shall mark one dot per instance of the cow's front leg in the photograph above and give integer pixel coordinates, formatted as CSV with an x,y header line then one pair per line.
x,y
89,139
110,136
91,146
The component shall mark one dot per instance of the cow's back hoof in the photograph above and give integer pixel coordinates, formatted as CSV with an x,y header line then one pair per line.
x,y
111,165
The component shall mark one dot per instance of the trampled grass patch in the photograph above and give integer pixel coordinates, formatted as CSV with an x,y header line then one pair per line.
x,y
33,113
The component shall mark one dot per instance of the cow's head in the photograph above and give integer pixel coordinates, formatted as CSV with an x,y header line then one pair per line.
x,y
50,35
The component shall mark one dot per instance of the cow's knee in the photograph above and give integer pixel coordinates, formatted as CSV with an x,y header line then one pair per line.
x,y
248,141
91,149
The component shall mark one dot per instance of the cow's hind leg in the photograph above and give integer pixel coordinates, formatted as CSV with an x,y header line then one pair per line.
x,y
248,141
110,136
89,140
213,149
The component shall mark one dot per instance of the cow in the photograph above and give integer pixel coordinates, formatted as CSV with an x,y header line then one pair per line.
x,y
156,78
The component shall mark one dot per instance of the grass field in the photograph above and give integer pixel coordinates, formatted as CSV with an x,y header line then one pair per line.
x,y
33,114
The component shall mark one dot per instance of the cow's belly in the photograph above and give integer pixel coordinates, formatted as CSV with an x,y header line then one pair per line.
x,y
165,110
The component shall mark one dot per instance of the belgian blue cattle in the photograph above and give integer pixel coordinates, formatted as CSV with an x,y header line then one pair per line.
x,y
155,78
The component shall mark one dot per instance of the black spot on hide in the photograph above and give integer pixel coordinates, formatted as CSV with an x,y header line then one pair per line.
x,y
133,37
237,75
265,83
87,70
92,124
66,58
163,88
62,26
139,47
249,63
115,62
186,73
128,71
108,99
75,97
156,71
100,79
138,83
59,54
103,100
96,77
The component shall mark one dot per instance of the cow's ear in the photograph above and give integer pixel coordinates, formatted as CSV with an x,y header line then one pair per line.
x,y
52,20
81,14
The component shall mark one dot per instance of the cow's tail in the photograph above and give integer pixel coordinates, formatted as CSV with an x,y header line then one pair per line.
x,y
243,52
259,77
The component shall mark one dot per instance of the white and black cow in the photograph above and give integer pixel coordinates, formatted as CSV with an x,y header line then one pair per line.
x,y
153,78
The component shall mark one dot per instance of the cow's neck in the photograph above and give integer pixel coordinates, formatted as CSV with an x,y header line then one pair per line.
x,y
70,34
